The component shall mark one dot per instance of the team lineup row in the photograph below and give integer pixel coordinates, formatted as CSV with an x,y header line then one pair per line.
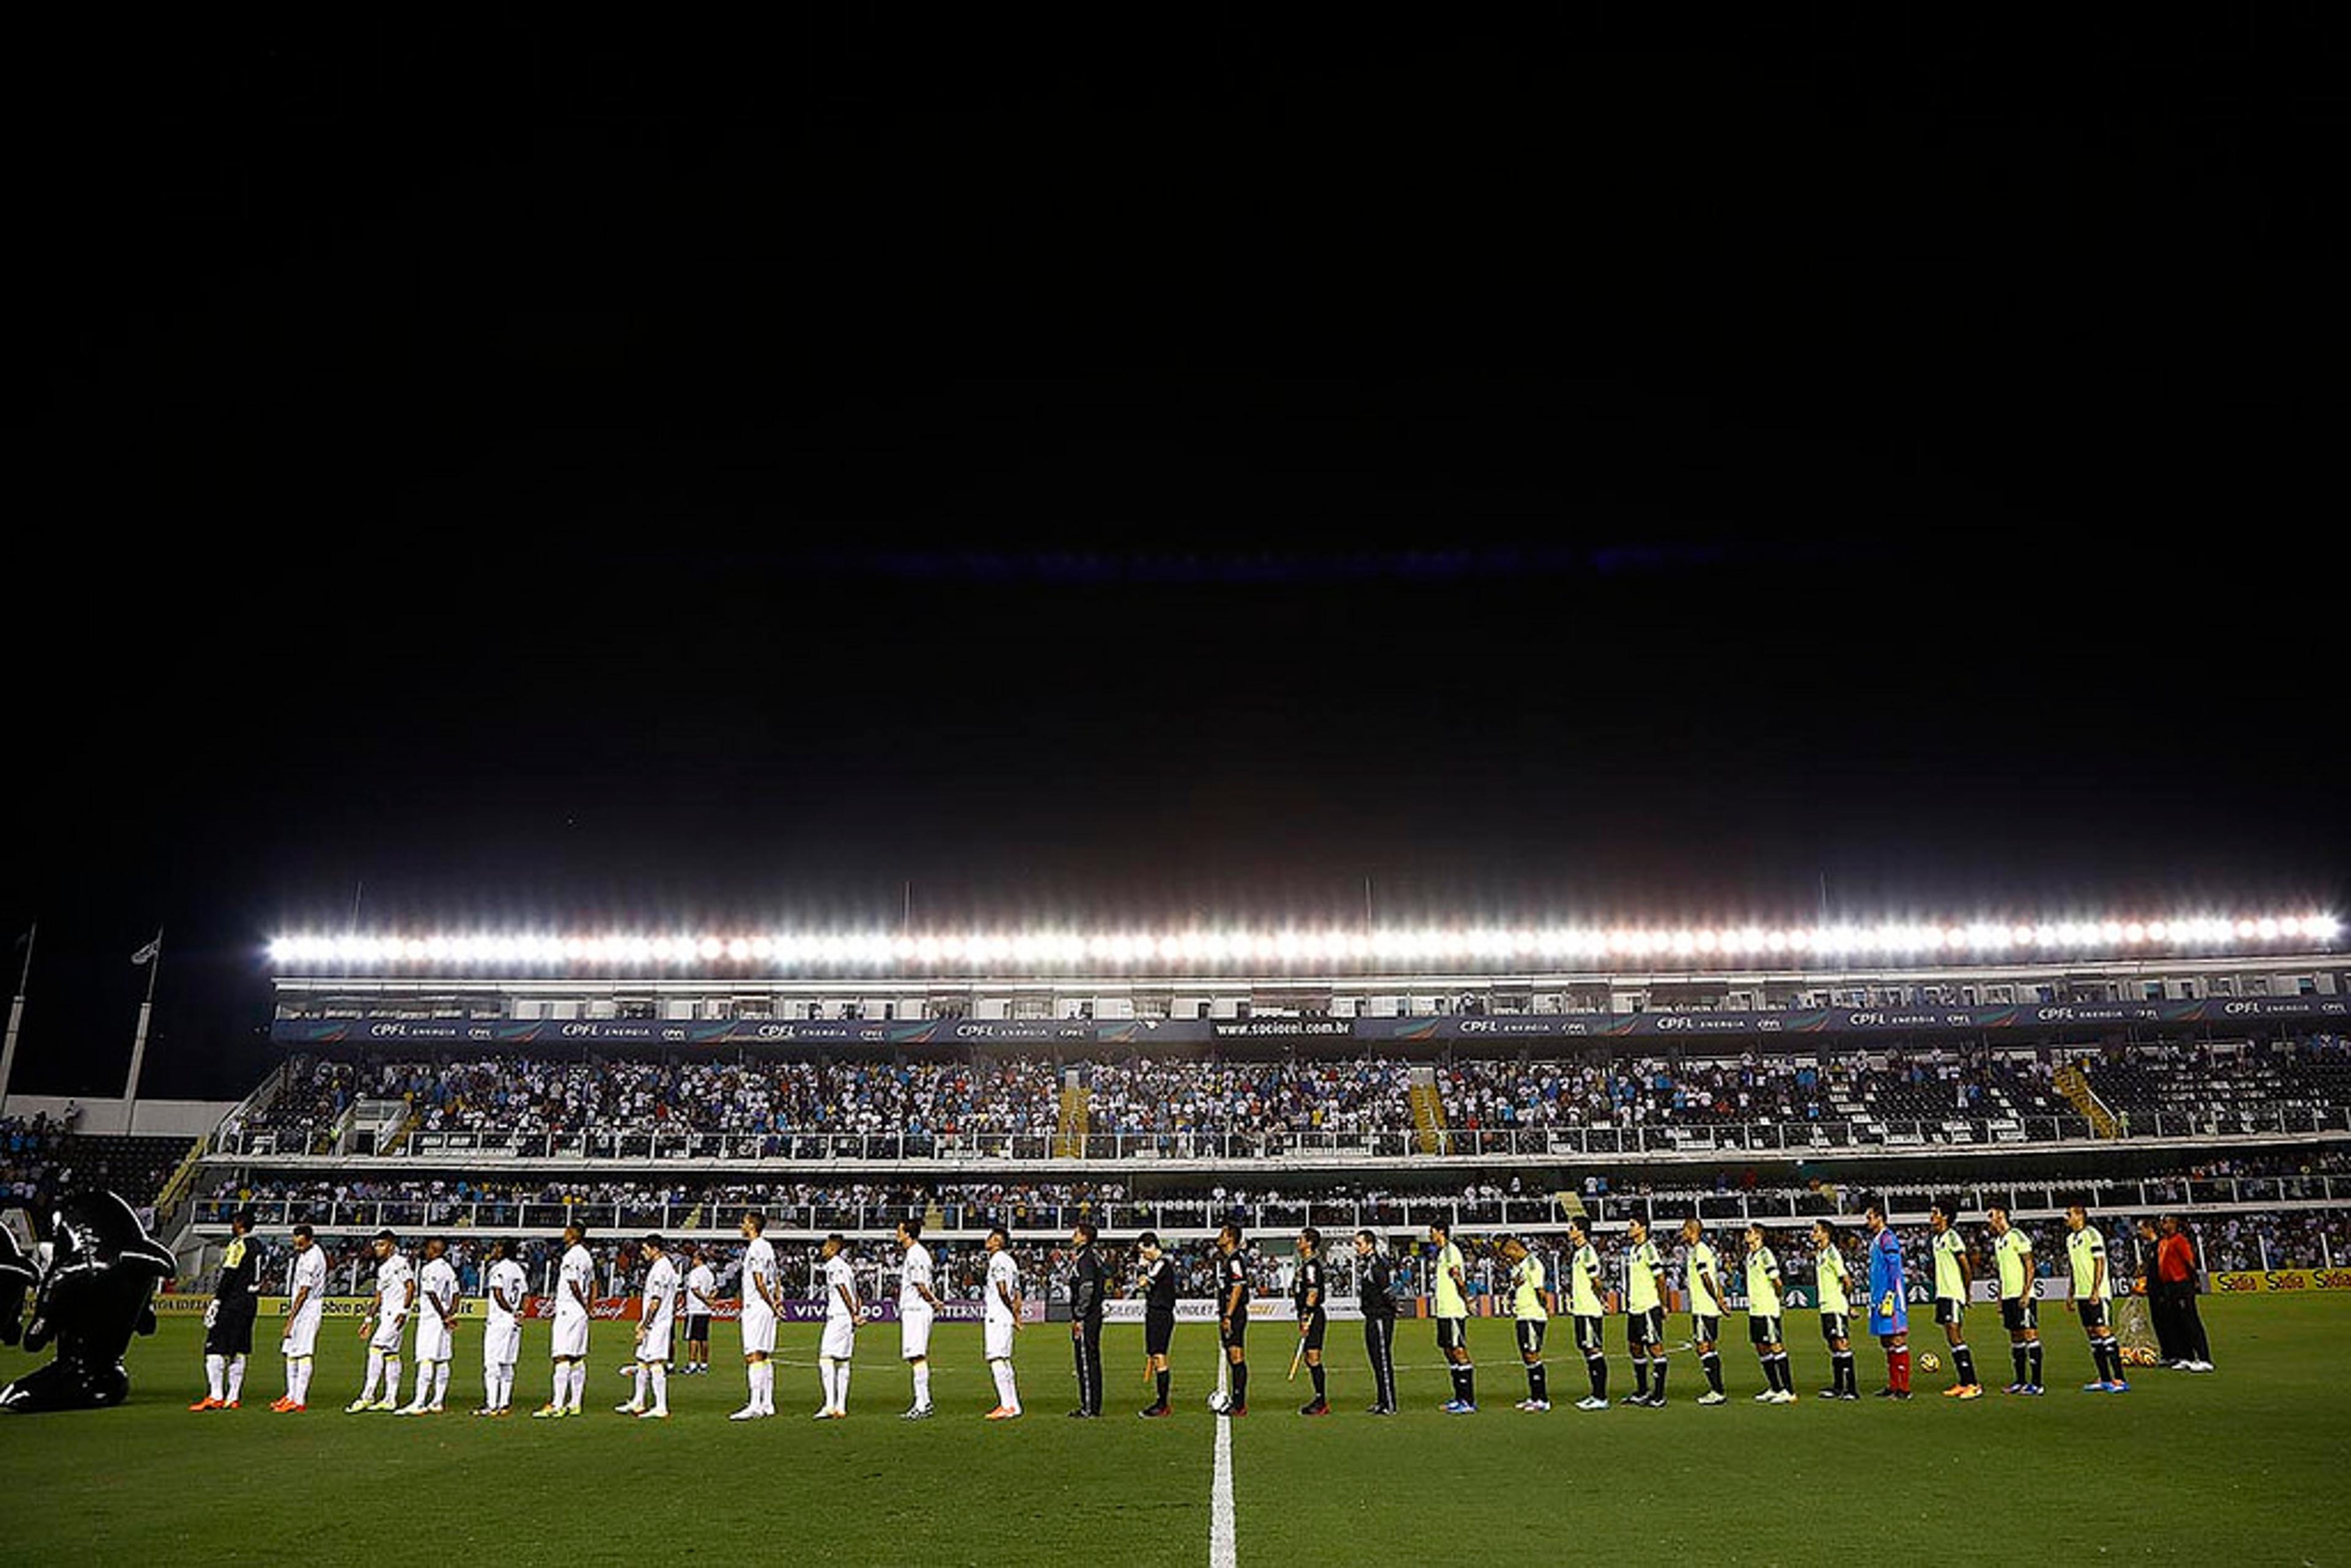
x,y
673,1297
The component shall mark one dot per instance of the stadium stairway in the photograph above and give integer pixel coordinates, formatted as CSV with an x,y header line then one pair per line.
x,y
1076,1120
2071,1083
1428,1111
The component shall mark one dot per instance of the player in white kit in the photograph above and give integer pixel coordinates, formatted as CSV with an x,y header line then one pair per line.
x,y
307,1306
575,1285
999,1322
762,1304
839,1341
395,1299
656,1315
918,1306
436,1330
504,1290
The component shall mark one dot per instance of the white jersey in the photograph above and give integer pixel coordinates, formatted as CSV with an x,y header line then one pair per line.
x,y
838,1277
506,1279
576,1281
917,1271
439,1281
1001,1272
310,1277
759,1264
392,1276
660,1299
701,1285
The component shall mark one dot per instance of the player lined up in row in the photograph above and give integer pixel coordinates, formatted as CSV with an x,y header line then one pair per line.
x,y
672,1296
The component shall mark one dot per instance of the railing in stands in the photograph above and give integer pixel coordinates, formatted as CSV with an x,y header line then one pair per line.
x,y
422,1146
1332,1215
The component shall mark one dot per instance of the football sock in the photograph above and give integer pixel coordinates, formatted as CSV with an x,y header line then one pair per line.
x,y
1842,1369
1596,1367
660,1387
1963,1362
1161,1382
440,1382
1240,1383
424,1383
1640,1376
1897,1370
1468,1383
1658,1376
1713,1364
1771,1377
2032,1362
1538,1382
2016,1359
1316,1370
375,1375
214,1367
840,1385
235,1379
923,1384
392,1377
637,1394
298,1379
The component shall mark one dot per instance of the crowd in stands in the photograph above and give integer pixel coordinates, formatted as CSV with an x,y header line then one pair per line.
x,y
41,1160
1173,1099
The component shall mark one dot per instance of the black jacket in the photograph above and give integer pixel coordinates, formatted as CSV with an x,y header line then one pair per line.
x,y
1086,1285
1374,1287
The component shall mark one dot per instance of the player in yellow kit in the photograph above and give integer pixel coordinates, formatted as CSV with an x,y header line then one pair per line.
x,y
2019,1308
1531,1306
1590,1310
1644,1316
1951,1282
1702,1282
1831,1282
2092,1290
1763,1319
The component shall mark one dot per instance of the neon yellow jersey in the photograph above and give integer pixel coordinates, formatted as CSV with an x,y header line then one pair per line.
x,y
2084,1251
1829,1279
2012,1249
1642,1267
1950,1285
1762,1284
1583,1283
1701,1269
1449,1304
1527,1290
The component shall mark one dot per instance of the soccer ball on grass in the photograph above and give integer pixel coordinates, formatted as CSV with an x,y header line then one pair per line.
x,y
1220,1401
1930,1362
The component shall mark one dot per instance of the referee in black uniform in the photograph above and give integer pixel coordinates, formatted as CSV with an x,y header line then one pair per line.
x,y
1158,1315
1086,1319
1308,1295
1374,1289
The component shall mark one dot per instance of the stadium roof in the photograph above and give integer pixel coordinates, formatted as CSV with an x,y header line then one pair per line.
x,y
1366,949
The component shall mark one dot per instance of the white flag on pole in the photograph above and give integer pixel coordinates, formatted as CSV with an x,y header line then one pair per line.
x,y
147,955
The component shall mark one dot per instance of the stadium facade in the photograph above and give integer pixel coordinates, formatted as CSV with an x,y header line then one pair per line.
x,y
1850,1000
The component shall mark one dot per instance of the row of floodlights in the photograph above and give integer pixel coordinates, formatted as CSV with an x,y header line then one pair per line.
x,y
1418,944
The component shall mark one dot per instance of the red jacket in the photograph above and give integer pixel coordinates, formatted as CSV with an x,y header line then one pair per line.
x,y
2175,1258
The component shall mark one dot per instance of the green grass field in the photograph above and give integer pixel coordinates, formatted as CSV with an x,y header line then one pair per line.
x,y
2246,1466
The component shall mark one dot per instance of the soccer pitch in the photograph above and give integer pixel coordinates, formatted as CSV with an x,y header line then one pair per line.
x,y
2244,1466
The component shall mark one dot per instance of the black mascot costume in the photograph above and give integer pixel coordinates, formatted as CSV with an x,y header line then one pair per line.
x,y
99,1291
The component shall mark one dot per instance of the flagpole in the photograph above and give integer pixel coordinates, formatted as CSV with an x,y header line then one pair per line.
x,y
139,1041
16,1015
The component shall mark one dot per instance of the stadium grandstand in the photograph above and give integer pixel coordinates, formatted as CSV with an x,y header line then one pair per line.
x,y
1498,1079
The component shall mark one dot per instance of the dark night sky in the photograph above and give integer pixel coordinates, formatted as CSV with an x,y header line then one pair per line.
x,y
1100,475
